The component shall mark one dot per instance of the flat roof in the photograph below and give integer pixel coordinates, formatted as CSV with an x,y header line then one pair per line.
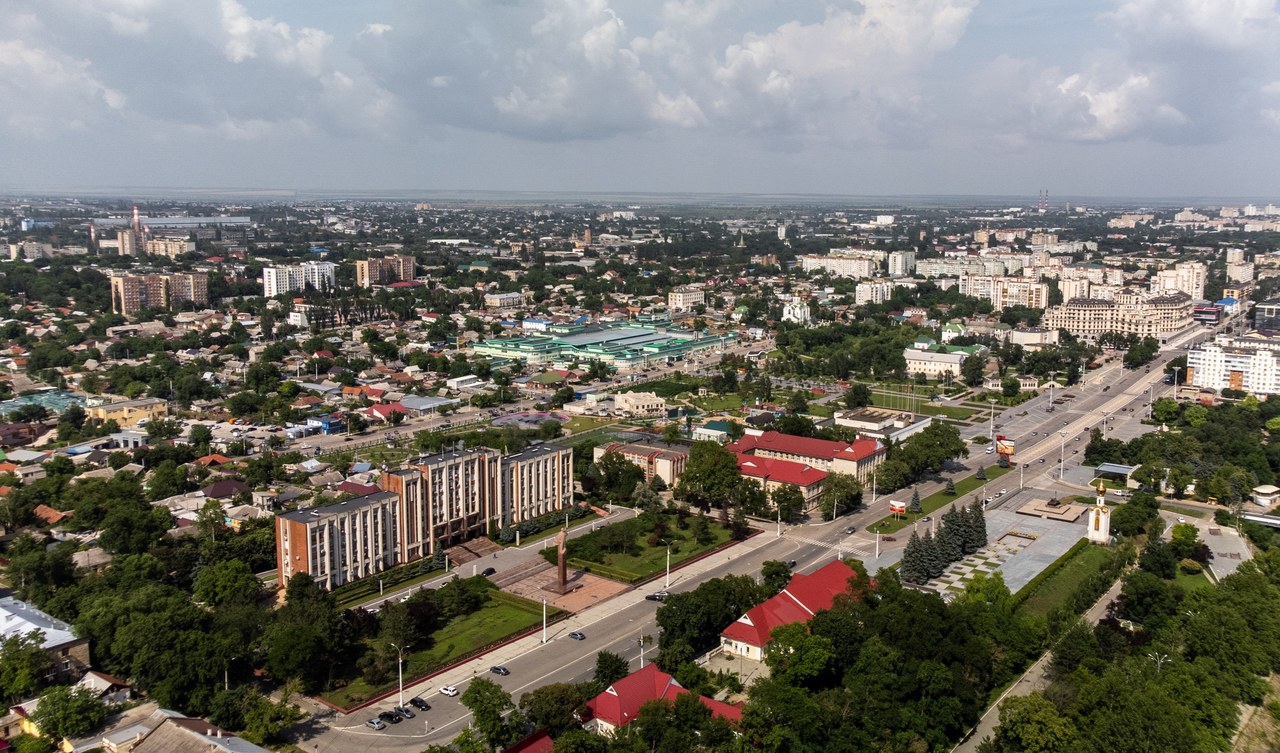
x,y
338,508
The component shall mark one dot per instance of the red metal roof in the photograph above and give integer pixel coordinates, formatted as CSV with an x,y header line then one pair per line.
x,y
824,449
621,701
803,597
779,471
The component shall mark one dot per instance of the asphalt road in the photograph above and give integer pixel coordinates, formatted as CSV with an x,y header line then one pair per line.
x,y
618,624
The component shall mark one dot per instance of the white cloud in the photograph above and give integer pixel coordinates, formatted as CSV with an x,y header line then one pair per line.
x,y
246,36
49,91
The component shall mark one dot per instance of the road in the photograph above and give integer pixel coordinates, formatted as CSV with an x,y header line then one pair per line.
x,y
617,625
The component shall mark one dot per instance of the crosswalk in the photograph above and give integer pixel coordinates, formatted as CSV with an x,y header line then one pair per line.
x,y
843,547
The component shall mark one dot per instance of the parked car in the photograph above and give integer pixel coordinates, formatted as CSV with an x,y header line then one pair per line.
x,y
1004,491
376,724
498,669
578,635
449,690
659,596
488,571
889,538
404,711
389,716
419,704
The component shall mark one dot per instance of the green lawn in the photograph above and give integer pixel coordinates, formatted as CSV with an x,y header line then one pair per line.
x,y
554,530
949,411
502,616
717,402
1190,512
365,590
1192,582
648,560
585,423
826,410
938,500
1060,586
652,560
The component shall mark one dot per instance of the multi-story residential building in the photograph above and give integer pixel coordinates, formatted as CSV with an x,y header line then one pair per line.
x,y
1074,287
685,298
1132,312
385,270
841,266
534,482
1266,316
1240,271
902,263
319,275
1235,255
1251,364
170,247
127,242
132,293
1185,277
339,543
1006,291
875,291
656,459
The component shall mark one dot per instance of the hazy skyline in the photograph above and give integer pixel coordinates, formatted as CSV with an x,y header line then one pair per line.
x,y
1095,97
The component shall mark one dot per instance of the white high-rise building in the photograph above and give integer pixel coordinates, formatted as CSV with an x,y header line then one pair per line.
x,y
901,263
1185,277
1250,366
1006,291
315,274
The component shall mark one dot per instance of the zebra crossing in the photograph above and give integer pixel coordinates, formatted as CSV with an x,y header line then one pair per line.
x,y
842,547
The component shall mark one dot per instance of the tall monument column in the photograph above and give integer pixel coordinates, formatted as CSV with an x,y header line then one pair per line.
x,y
1100,517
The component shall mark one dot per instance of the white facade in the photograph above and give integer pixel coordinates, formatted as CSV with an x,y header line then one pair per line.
x,y
1254,369
877,291
1006,291
796,311
503,300
1132,312
315,274
639,403
901,263
933,365
1185,277
1240,271
685,298
841,266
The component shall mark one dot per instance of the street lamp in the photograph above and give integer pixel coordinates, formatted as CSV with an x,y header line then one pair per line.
x,y
991,429
1176,371
667,582
1062,446
1021,473
399,669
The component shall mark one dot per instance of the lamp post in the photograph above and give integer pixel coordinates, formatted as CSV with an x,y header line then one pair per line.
x,y
667,582
1062,446
226,673
1176,371
1021,474
991,427
399,669
544,620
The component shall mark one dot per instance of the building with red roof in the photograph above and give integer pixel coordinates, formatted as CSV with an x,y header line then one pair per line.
x,y
857,459
804,596
772,474
619,704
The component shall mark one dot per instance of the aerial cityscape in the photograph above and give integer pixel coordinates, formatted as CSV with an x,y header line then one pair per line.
x,y
593,377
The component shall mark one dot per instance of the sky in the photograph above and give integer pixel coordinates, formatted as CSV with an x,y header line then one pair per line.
x,y
1152,98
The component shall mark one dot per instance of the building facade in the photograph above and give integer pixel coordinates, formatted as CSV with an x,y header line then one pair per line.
x,y
339,543
840,266
902,263
319,275
1132,312
685,298
1185,277
1006,291
535,482
385,270
1251,365
129,412
656,459
133,293
170,247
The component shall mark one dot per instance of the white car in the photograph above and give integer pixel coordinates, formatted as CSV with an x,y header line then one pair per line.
x,y
449,690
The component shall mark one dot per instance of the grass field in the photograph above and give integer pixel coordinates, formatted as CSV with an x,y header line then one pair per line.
x,y
937,500
1191,583
717,402
1059,587
826,410
585,423
652,560
501,617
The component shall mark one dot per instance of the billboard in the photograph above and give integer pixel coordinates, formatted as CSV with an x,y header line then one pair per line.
x,y
1004,446
897,508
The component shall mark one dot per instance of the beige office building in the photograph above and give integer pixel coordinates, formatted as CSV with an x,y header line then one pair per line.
x,y
1132,313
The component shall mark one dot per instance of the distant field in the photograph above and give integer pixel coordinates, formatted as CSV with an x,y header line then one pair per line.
x,y
584,423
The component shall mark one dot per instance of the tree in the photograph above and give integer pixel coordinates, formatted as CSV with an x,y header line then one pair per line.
x,y
857,396
1010,387
1032,724
951,488
65,712
489,705
775,575
227,582
841,494
610,668
797,657
671,432
551,707
972,369
981,474
1165,410
710,475
1185,540
787,500
913,568
23,664
914,506
797,403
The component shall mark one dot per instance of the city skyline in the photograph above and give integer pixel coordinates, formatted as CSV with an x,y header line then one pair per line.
x,y
1111,98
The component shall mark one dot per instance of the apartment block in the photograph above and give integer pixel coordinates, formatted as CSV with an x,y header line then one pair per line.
x,y
841,266
385,270
170,247
339,543
133,293
1006,291
127,242
902,263
535,482
318,275
1185,277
